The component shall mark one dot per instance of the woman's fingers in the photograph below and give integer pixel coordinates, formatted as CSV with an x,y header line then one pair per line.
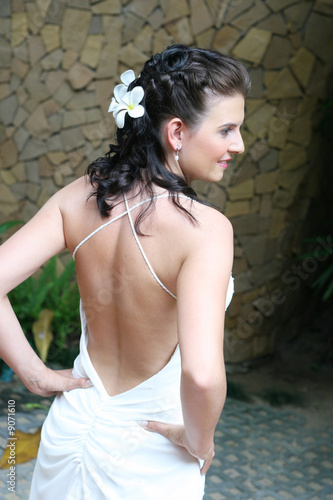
x,y
54,381
171,432
205,467
69,382
75,383
176,434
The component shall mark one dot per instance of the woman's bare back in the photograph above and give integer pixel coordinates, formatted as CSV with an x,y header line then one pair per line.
x,y
132,320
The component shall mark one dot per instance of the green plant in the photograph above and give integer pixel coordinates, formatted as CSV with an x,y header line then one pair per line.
x,y
7,225
324,282
63,299
55,292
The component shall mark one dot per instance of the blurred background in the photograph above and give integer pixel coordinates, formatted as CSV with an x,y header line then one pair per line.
x,y
59,62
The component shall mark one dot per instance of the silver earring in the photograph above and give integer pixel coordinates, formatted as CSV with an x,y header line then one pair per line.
x,y
177,153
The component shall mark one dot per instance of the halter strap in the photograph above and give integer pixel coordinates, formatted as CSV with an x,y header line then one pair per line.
x,y
128,212
107,224
142,251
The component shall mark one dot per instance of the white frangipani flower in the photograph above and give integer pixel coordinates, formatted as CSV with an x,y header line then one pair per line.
x,y
127,77
126,102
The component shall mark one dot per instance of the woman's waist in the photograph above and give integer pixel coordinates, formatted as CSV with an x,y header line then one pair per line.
x,y
124,409
159,392
120,372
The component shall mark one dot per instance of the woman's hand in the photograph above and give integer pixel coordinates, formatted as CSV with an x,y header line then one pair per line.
x,y
176,434
48,382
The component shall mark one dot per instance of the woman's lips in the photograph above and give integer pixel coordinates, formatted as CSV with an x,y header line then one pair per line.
x,y
223,163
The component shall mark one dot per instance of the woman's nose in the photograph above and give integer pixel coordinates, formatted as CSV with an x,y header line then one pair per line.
x,y
238,145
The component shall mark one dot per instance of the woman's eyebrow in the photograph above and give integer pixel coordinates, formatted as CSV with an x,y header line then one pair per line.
x,y
229,124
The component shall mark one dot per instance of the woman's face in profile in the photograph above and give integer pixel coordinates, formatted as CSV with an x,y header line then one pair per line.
x,y
208,147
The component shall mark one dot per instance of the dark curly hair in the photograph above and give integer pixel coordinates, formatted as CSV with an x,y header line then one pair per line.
x,y
176,83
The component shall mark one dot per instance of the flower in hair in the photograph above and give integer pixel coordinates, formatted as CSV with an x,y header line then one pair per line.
x,y
126,102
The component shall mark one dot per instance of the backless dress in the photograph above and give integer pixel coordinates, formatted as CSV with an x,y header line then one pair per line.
x,y
93,446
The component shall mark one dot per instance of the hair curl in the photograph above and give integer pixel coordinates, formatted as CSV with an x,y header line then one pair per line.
x,y
176,83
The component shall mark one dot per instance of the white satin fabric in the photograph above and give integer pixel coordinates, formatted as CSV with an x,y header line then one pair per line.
x,y
93,447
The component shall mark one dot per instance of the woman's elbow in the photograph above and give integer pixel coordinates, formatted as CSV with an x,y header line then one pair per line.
x,y
207,382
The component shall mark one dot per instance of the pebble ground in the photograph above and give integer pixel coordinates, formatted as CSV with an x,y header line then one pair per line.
x,y
262,453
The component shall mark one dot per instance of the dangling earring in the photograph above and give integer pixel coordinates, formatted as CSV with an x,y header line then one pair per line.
x,y
177,153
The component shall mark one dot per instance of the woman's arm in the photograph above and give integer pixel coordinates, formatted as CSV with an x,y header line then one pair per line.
x,y
20,256
201,294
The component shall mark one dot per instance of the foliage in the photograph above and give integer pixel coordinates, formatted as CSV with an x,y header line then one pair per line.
x,y
324,282
33,406
7,225
42,333
26,448
55,292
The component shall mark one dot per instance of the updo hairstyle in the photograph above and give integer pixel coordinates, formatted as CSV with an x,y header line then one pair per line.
x,y
176,83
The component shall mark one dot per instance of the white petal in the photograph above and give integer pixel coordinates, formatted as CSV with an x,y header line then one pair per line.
x,y
120,91
137,111
120,118
127,77
113,105
119,109
136,95
126,99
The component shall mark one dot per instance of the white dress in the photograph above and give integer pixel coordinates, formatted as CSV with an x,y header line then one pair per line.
x,y
94,448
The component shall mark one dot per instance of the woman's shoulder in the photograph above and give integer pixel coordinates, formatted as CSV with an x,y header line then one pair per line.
x,y
80,186
208,218
74,194
207,245
207,224
215,230
211,216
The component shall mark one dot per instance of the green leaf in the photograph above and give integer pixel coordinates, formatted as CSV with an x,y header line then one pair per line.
x,y
329,291
325,276
33,406
26,448
7,225
49,290
41,329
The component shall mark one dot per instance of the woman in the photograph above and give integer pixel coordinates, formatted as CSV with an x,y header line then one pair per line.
x,y
135,418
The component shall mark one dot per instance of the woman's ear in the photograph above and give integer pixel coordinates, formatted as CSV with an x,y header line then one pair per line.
x,y
174,130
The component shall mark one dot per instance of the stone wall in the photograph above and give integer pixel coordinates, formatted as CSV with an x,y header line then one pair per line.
x,y
59,62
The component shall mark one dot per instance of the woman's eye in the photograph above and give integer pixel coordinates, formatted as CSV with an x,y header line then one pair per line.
x,y
226,131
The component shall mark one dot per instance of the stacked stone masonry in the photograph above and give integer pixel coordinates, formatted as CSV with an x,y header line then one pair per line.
x,y
59,62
